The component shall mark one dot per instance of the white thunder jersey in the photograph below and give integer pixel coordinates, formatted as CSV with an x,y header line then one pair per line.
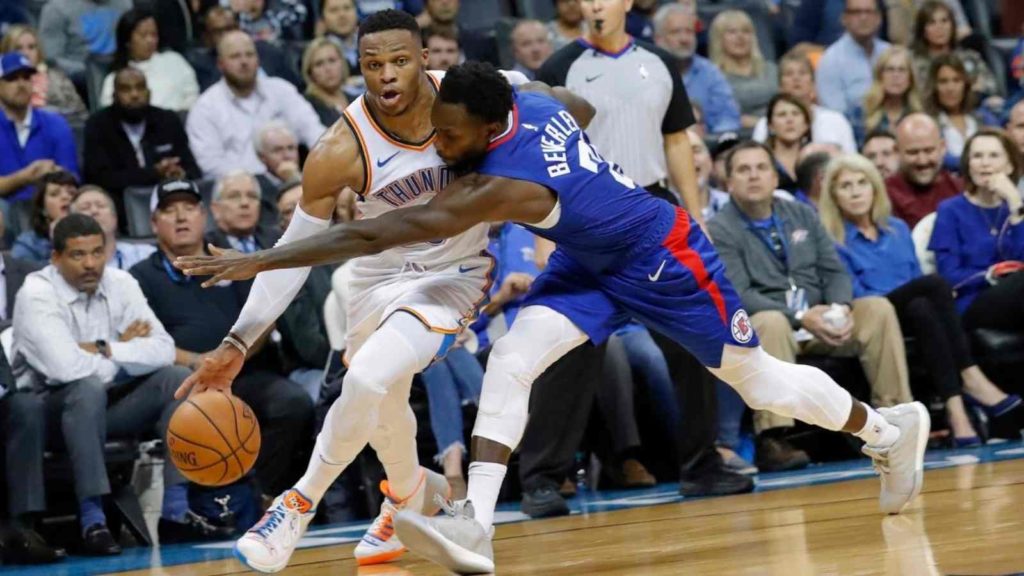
x,y
400,174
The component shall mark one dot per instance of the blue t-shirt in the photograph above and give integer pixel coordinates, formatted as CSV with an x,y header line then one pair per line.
x,y
965,246
513,249
879,267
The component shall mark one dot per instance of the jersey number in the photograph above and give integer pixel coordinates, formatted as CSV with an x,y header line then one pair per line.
x,y
591,160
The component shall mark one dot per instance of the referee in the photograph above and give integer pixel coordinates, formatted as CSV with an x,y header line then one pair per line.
x,y
642,107
643,112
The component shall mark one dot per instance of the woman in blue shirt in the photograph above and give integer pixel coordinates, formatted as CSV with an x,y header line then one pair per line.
x,y
879,253
50,203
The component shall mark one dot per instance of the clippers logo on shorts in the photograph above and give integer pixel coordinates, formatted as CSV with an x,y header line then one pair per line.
x,y
404,190
742,331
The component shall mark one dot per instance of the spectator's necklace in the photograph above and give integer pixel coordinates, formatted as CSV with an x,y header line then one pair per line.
x,y
993,226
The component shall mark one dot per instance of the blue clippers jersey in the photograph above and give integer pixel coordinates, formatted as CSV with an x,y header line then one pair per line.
x,y
604,215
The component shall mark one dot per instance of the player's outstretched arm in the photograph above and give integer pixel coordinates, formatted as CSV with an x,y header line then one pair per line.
x,y
578,106
333,164
466,202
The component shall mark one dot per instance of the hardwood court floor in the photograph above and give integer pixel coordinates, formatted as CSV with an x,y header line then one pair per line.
x,y
969,520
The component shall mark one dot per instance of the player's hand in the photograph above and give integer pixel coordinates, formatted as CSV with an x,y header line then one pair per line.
x,y
217,370
221,265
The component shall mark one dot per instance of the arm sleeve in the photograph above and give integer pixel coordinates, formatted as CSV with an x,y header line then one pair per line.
x,y
140,355
43,335
107,91
65,155
736,270
273,291
53,32
859,289
556,68
204,141
950,260
188,88
722,111
760,133
302,118
679,115
101,168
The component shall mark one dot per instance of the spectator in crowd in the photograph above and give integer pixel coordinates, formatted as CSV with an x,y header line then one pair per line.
x,y
880,148
13,271
978,239
810,172
221,124
638,19
51,88
789,129
444,15
952,103
1015,125
304,344
712,199
79,332
72,30
892,96
879,255
235,206
414,7
568,24
675,31
845,69
530,46
171,80
786,270
217,21
278,150
921,183
134,143
339,22
13,14
283,409
935,35
97,203
443,49
901,20
734,49
33,142
796,78
271,21
326,73
817,25
50,203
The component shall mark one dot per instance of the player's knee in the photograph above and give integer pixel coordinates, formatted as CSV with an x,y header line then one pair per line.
x,y
743,369
505,398
362,385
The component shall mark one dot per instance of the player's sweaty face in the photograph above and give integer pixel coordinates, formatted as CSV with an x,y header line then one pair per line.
x,y
391,62
461,138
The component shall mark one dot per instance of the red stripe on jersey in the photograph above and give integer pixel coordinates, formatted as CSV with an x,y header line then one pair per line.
x,y
509,132
678,244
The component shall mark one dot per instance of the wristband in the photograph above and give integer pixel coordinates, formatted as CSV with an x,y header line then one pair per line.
x,y
237,343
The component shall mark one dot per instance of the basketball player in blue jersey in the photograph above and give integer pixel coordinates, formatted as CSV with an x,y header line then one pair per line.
x,y
621,253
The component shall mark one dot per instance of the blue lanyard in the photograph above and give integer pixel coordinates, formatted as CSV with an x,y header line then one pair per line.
x,y
176,276
763,235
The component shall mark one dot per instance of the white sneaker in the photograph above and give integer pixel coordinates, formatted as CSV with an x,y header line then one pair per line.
x,y
268,545
455,541
901,465
380,544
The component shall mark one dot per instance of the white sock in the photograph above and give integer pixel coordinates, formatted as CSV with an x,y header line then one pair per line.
x,y
485,480
877,432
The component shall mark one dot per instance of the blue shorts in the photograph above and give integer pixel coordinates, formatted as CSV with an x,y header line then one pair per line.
x,y
677,288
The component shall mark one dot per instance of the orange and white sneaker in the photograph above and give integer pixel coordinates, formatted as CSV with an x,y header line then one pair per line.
x,y
380,543
268,545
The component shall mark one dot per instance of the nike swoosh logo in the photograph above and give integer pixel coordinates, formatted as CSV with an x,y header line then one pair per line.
x,y
463,269
592,78
382,163
654,277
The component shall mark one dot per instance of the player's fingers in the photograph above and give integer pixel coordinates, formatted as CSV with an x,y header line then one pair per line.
x,y
214,250
183,390
219,277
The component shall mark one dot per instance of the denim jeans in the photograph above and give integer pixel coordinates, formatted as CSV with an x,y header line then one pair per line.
x,y
730,415
451,382
646,358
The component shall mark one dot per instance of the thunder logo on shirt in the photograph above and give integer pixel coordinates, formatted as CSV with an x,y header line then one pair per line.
x,y
409,188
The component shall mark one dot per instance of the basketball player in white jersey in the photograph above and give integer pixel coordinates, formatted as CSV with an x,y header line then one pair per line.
x,y
407,303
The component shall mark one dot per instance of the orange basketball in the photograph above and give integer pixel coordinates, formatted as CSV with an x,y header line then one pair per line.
x,y
213,438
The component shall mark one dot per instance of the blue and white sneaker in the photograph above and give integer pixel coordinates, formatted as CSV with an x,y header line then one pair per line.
x,y
268,545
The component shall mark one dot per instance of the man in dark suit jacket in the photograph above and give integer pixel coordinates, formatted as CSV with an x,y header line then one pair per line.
x,y
235,204
131,143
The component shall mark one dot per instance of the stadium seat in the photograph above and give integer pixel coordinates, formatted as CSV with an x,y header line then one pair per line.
x,y
922,234
96,69
136,207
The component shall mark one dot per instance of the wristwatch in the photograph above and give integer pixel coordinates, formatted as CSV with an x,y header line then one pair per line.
x,y
799,315
102,348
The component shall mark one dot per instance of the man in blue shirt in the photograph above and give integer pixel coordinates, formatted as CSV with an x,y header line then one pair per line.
x,y
675,31
32,142
845,70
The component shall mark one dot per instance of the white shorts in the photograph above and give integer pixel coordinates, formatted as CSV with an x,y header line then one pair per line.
x,y
444,297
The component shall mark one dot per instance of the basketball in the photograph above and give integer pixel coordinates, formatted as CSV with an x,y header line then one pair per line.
x,y
213,438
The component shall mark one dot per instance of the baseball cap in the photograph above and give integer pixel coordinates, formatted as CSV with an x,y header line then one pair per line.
x,y
164,190
726,141
13,62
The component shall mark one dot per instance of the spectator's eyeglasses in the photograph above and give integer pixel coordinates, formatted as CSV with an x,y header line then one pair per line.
x,y
861,12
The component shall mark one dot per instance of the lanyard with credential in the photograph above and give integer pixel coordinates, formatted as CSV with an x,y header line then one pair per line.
x,y
765,238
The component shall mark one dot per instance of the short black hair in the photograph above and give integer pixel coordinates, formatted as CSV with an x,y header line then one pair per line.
x,y
747,145
808,169
480,88
389,20
446,33
75,226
